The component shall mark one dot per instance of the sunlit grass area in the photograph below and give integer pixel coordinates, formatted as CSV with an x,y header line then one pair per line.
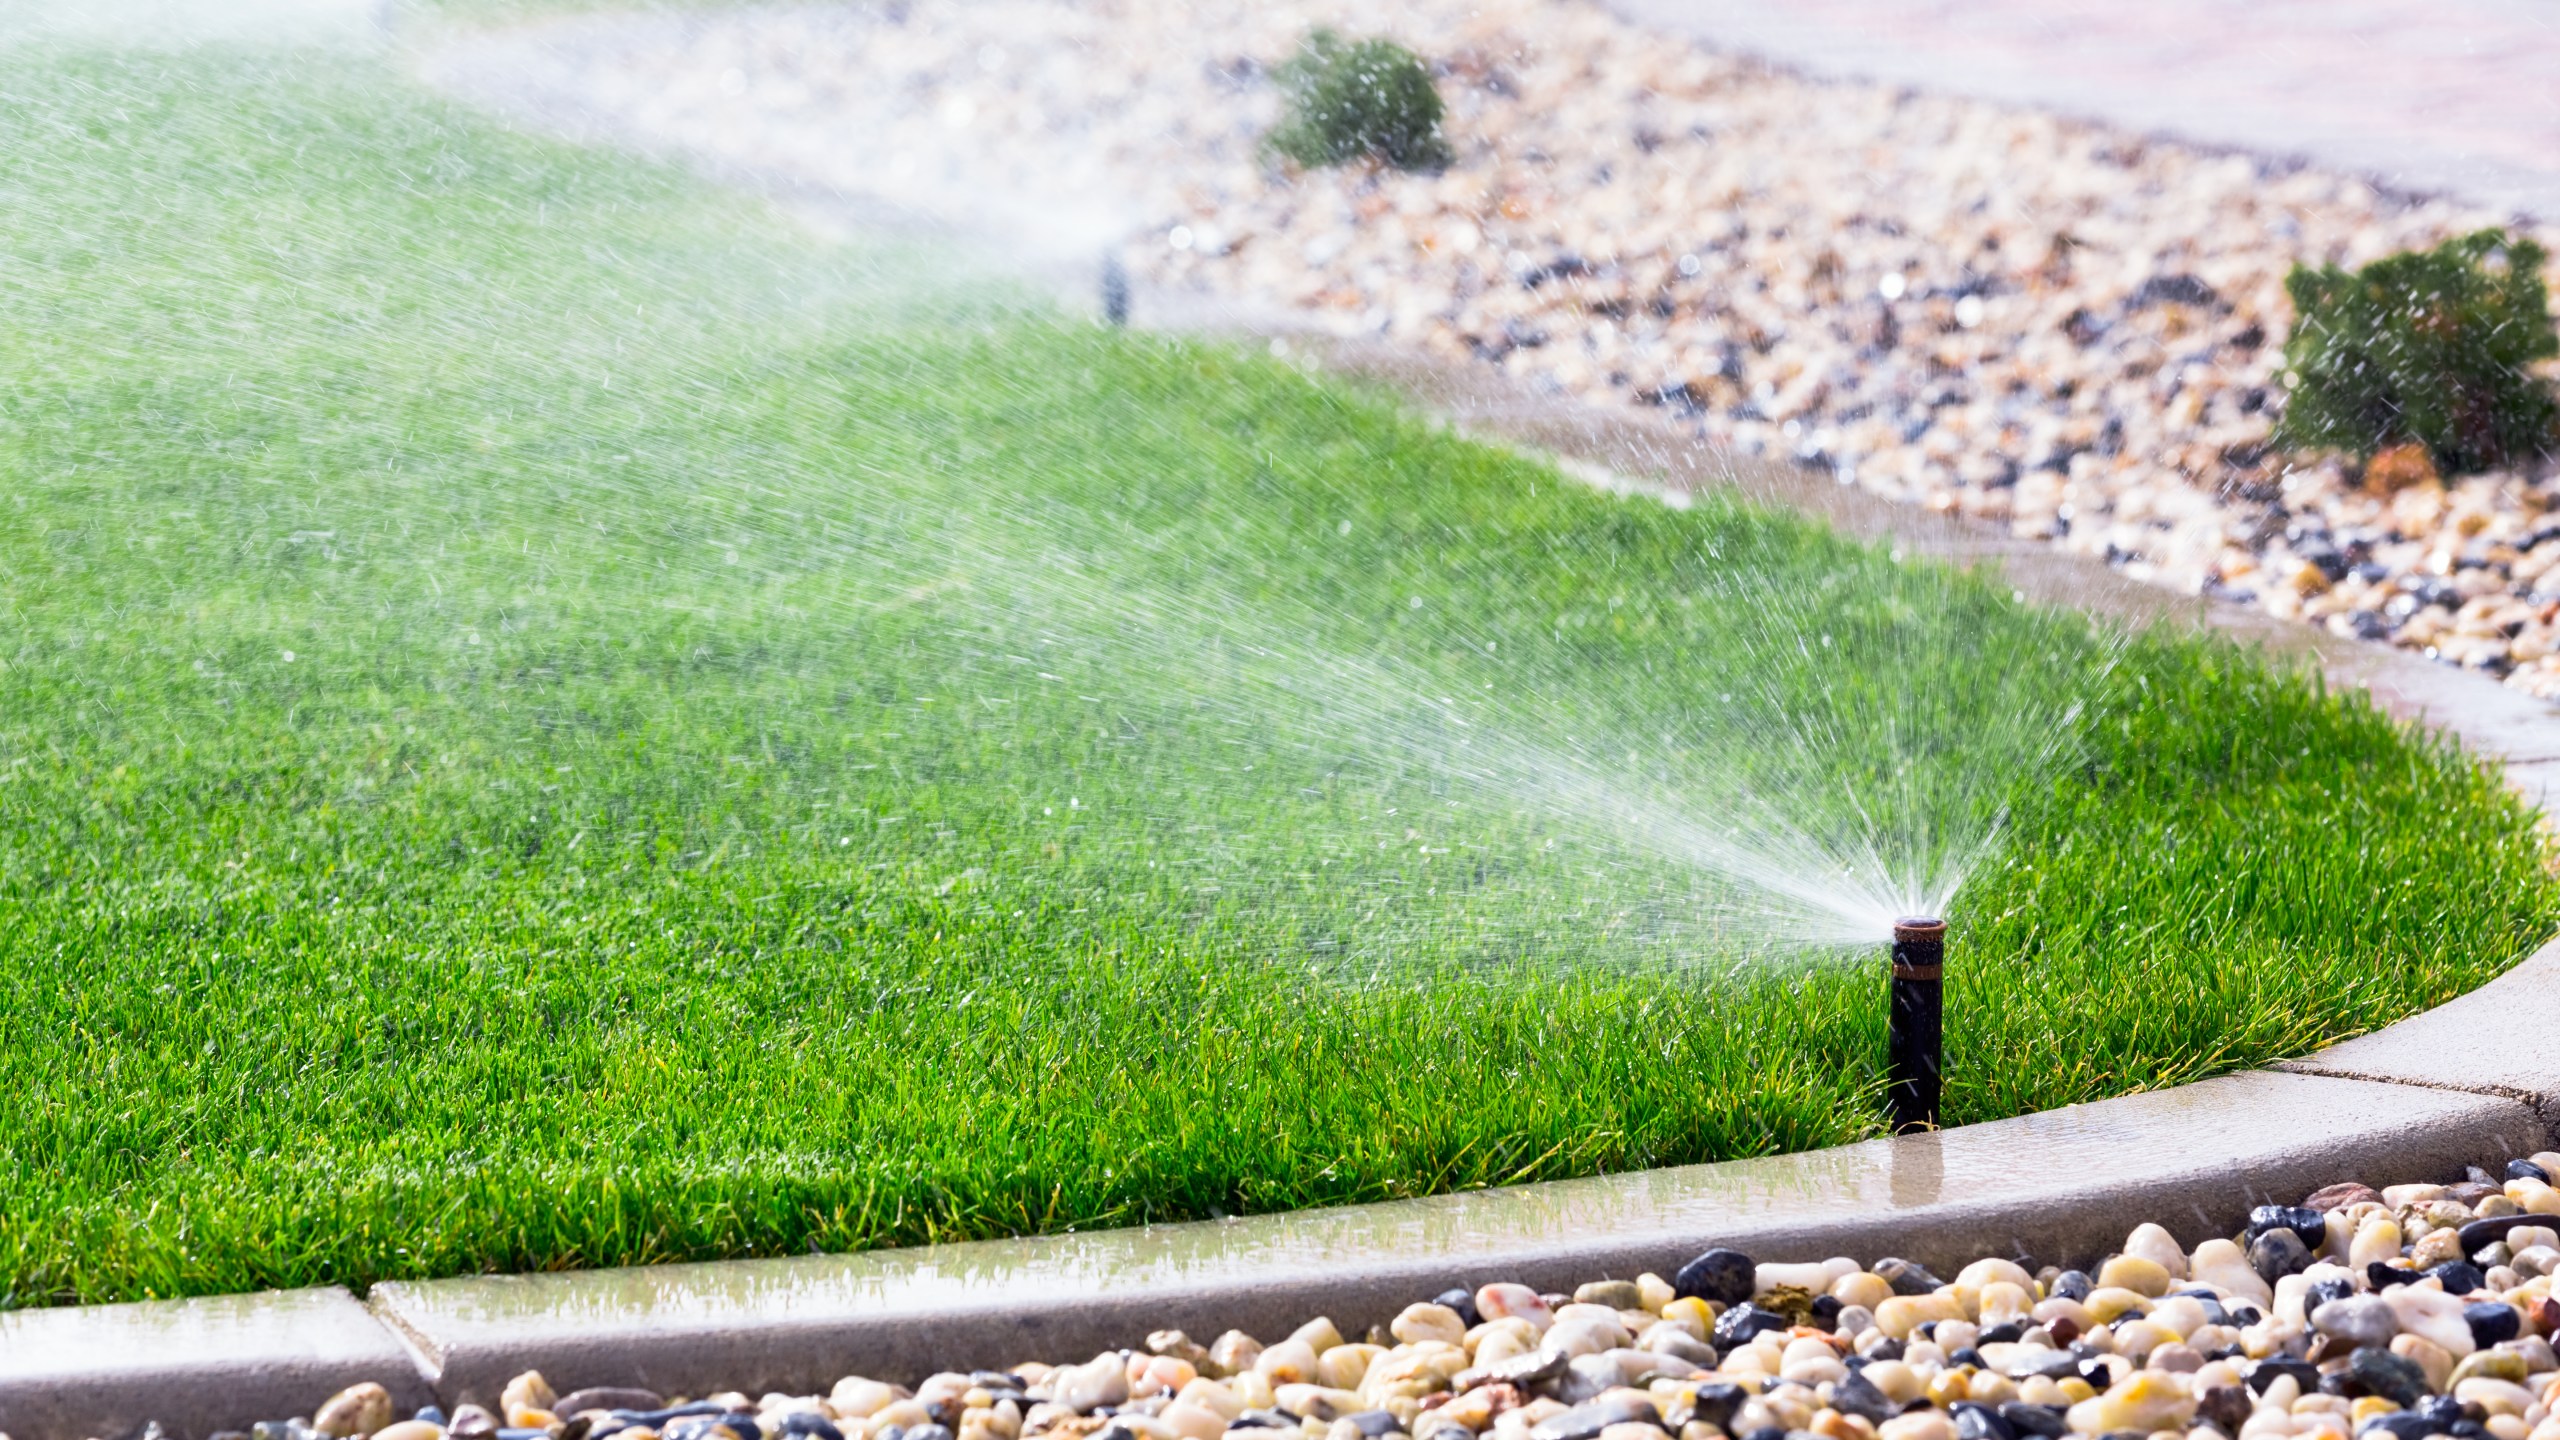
x,y
548,719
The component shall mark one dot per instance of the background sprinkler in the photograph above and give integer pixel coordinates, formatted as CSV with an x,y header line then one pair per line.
x,y
1115,291
1912,1031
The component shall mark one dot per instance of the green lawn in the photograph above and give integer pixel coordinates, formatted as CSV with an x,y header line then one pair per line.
x,y
547,719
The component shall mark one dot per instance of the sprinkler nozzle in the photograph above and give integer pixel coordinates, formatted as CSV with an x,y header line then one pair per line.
x,y
1914,1023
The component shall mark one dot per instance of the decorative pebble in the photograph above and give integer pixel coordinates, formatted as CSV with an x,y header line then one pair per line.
x,y
2357,1320
1719,1277
357,1411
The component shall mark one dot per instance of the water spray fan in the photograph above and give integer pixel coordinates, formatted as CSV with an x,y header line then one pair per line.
x,y
1914,1023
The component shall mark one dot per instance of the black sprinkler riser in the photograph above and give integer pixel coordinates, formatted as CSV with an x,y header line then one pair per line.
x,y
1914,1026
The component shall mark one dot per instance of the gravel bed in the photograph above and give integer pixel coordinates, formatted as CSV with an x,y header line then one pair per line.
x,y
2049,324
2413,1310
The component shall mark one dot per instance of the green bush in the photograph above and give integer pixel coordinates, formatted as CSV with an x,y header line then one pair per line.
x,y
1359,98
2429,346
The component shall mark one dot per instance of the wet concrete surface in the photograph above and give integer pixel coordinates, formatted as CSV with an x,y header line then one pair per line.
x,y
2064,1185
196,1365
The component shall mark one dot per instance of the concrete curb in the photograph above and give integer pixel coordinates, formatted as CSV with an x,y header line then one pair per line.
x,y
194,1365
2065,1184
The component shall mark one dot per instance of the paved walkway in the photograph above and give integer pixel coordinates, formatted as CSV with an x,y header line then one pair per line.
x,y
2424,95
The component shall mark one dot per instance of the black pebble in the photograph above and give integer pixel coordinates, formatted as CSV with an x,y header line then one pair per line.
x,y
2442,1411
1737,1325
2043,1420
1716,1403
1977,1421
1905,1276
657,1419
2073,1285
2097,1373
1826,1308
1859,1396
2460,1277
1374,1423
2266,1372
2382,1373
2479,1233
2383,1276
1725,1277
2527,1170
2224,1407
1886,1349
2006,1332
1967,1355
2321,1292
1464,1302
2491,1322
2309,1224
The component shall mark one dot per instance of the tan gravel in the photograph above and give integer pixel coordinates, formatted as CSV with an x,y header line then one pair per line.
x,y
2044,323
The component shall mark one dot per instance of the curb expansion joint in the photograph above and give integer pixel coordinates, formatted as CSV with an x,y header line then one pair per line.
x,y
2545,1107
425,1355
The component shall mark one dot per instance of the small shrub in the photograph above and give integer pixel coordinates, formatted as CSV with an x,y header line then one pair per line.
x,y
2427,347
1348,99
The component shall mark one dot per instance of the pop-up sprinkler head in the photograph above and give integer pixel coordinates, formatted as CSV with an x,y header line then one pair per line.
x,y
1912,1029
1115,292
